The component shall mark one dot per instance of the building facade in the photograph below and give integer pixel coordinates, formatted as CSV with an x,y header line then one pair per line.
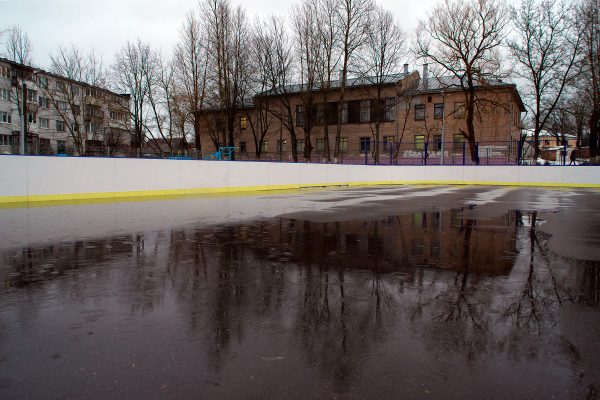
x,y
62,116
404,116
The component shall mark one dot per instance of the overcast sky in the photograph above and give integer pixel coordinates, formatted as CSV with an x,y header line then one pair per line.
x,y
106,25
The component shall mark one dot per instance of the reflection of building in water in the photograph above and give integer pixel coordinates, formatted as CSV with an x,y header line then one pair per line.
x,y
444,239
37,263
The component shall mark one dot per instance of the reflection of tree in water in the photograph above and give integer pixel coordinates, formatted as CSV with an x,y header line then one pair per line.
x,y
343,285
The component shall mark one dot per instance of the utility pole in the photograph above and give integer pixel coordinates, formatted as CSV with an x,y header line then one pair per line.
x,y
23,136
443,124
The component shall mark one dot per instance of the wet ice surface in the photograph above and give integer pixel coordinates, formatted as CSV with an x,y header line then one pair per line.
x,y
391,292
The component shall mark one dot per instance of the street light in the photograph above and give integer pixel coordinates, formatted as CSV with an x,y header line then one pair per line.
x,y
25,72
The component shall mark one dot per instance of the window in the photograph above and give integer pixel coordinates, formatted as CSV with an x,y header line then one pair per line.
x,y
43,102
243,148
92,127
62,106
300,145
320,113
459,109
5,140
457,141
5,94
438,110
5,117
219,125
43,82
365,111
4,71
61,146
419,142
31,95
390,110
345,112
44,123
60,126
74,90
90,91
264,146
243,122
300,115
437,142
420,112
343,144
31,118
365,144
388,141
281,145
320,144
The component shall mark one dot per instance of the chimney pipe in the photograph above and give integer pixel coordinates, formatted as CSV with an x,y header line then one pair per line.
x,y
425,75
405,69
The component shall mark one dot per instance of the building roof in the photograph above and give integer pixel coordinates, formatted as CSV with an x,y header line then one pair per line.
x,y
31,69
391,79
432,85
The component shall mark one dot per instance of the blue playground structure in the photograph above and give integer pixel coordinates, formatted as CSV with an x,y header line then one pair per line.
x,y
224,153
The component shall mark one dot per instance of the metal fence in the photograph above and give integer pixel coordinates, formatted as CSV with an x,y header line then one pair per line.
x,y
370,152
407,153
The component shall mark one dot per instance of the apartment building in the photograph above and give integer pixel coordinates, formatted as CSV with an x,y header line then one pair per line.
x,y
62,116
411,111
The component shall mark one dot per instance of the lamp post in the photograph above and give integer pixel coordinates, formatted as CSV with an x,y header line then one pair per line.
x,y
443,124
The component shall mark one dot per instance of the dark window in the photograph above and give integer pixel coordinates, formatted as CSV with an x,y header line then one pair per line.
x,y
61,146
219,125
437,142
438,110
365,144
243,149
354,112
281,145
300,115
429,99
420,112
300,145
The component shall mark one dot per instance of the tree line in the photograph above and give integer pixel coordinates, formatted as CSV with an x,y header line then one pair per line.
x,y
223,63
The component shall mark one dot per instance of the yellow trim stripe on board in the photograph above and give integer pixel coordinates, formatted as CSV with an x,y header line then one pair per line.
x,y
69,197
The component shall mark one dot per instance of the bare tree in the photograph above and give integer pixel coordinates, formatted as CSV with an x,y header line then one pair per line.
x,y
463,38
328,31
18,46
353,20
192,68
589,25
308,48
129,72
385,47
68,97
264,54
279,68
545,47
228,36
